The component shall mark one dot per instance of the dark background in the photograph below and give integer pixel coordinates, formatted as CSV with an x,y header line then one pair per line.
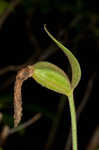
x,y
76,24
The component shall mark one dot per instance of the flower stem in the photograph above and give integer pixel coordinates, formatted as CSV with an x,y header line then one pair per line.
x,y
73,121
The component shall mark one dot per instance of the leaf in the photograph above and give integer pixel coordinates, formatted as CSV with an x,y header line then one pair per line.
x,y
51,77
76,71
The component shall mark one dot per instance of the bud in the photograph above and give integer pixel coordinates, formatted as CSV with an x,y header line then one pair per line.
x,y
51,77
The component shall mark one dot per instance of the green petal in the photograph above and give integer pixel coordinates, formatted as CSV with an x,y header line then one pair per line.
x,y
76,71
51,77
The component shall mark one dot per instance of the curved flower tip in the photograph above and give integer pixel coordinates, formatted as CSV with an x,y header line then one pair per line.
x,y
75,66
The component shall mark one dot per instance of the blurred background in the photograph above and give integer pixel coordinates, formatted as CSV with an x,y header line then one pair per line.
x,y
23,42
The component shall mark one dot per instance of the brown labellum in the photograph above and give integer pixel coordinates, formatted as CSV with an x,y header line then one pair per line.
x,y
22,75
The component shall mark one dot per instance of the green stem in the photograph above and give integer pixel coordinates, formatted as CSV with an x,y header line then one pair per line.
x,y
73,121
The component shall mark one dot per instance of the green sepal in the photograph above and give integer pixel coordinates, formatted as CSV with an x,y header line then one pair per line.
x,y
51,77
76,71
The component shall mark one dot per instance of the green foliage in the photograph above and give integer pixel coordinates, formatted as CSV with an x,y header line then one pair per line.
x,y
1,148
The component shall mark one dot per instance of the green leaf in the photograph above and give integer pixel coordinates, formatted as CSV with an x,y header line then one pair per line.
x,y
51,77
76,71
